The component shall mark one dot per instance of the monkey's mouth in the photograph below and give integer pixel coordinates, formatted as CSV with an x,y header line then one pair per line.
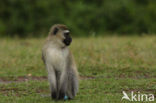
x,y
67,41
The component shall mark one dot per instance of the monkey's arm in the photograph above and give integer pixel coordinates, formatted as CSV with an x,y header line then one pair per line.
x,y
72,78
51,76
69,80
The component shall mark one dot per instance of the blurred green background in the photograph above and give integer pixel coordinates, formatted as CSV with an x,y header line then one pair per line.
x,y
27,18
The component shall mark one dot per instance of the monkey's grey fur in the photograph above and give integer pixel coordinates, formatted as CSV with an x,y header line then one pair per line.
x,y
59,62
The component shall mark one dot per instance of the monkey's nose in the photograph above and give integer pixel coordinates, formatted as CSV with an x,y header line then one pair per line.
x,y
67,41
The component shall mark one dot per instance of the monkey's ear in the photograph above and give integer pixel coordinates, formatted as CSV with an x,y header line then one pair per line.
x,y
55,30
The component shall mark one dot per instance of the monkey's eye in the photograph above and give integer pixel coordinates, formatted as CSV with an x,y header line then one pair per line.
x,y
55,30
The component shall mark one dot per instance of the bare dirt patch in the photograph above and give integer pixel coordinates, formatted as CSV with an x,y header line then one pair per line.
x,y
87,77
6,80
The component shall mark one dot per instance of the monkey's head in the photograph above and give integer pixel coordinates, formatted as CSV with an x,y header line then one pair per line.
x,y
60,34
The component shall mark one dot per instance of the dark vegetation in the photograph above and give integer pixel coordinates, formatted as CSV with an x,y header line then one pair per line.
x,y
84,17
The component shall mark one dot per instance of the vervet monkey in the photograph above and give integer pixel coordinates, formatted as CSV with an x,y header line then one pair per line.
x,y
59,62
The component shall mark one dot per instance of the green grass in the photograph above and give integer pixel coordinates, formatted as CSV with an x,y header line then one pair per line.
x,y
107,66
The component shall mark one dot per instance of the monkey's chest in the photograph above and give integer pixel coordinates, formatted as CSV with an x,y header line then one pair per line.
x,y
57,58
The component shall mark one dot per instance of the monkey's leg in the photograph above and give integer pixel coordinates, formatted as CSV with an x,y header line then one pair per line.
x,y
63,85
52,80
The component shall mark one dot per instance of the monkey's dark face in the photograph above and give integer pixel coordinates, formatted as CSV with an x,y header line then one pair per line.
x,y
67,38
62,35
